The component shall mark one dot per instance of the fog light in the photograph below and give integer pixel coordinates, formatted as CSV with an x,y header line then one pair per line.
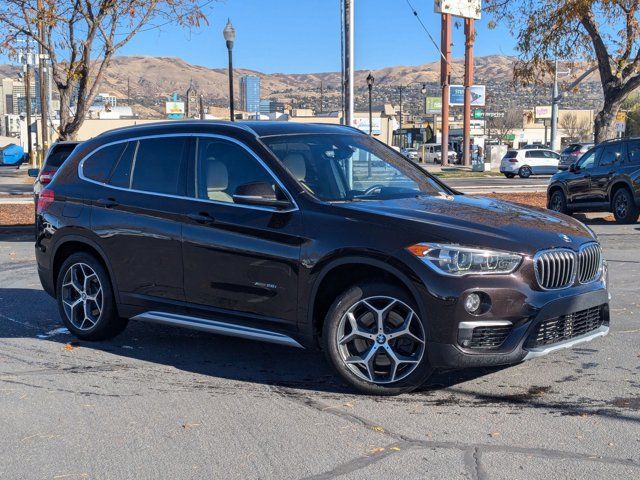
x,y
472,303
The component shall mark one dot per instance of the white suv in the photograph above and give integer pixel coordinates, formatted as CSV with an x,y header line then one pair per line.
x,y
527,162
433,153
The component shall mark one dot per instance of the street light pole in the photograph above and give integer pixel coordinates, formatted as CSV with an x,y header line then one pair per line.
x,y
370,81
423,90
230,36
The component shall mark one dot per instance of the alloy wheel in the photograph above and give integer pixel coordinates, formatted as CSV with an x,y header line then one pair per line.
x,y
82,296
381,339
556,203
621,205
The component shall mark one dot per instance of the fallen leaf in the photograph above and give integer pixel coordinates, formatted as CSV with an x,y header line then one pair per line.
x,y
189,425
68,346
395,449
377,450
378,429
494,434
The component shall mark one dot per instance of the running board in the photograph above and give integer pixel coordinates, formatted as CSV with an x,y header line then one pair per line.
x,y
214,326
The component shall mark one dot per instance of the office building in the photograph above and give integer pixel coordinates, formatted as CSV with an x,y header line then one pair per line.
x,y
250,93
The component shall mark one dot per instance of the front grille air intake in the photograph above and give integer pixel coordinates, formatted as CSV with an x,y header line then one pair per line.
x,y
555,268
566,327
589,262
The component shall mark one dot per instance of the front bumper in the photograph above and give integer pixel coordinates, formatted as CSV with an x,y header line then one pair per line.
x,y
517,345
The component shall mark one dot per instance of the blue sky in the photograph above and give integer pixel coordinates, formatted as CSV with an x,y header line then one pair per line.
x,y
296,36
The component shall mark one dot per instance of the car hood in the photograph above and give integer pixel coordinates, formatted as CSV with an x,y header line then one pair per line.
x,y
481,222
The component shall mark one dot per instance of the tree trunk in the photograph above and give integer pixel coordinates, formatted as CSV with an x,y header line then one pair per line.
x,y
605,122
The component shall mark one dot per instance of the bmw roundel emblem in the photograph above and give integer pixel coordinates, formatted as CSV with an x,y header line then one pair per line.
x,y
564,237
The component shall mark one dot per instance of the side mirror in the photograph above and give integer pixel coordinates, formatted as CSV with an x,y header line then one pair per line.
x,y
259,194
33,172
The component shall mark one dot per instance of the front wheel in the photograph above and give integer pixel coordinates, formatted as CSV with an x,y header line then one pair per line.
x,y
375,339
624,208
525,172
85,299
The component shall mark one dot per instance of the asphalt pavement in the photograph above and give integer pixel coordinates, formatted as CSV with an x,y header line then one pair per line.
x,y
160,402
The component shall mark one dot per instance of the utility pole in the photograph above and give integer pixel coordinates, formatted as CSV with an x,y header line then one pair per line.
x,y
469,33
554,107
201,107
27,89
348,61
400,136
129,91
321,106
41,84
445,80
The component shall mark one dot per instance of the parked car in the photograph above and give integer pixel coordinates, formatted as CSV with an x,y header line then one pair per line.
x,y
412,154
12,155
527,162
275,231
605,179
433,153
572,153
57,154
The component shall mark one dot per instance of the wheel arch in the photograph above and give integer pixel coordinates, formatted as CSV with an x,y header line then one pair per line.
x,y
617,185
337,275
72,243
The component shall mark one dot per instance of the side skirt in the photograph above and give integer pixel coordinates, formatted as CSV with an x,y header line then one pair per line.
x,y
214,326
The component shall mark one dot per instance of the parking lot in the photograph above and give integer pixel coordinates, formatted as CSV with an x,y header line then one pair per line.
x,y
158,402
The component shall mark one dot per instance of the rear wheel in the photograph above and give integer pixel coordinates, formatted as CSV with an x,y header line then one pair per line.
x,y
510,175
558,202
525,172
624,208
375,339
85,299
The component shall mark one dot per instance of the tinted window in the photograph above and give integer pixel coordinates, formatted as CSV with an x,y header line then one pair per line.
x,y
98,166
588,160
59,154
159,165
534,154
121,173
223,166
633,148
511,154
549,154
611,154
346,167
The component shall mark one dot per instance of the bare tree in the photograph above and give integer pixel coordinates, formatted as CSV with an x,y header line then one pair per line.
x,y
604,32
80,38
577,129
501,127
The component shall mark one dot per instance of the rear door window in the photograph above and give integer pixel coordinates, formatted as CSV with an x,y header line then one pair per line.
x,y
98,165
633,157
159,165
121,173
611,154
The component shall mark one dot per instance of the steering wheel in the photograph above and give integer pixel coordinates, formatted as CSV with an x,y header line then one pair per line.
x,y
372,188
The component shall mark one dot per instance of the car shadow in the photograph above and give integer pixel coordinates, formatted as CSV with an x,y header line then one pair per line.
x,y
196,352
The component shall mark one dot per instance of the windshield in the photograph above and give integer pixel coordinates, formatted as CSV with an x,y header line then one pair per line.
x,y
347,167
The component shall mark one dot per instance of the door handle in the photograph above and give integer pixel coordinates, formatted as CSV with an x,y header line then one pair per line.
x,y
202,218
107,202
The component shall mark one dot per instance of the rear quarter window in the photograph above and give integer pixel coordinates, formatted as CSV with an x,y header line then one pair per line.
x,y
98,165
511,154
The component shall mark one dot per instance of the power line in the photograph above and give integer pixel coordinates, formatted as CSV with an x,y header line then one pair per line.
x,y
424,27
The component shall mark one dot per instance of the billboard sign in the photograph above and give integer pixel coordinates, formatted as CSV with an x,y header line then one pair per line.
x,y
433,104
459,8
478,95
362,123
542,112
174,109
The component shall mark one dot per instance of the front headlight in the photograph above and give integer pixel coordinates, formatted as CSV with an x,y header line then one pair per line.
x,y
457,261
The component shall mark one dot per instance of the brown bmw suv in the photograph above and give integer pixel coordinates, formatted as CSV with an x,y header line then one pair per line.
x,y
307,236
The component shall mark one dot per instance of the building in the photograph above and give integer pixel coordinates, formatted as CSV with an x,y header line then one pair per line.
x,y
271,106
106,100
250,93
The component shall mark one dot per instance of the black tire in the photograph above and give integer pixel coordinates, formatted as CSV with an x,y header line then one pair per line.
x,y
558,202
624,207
414,377
107,322
510,175
525,172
